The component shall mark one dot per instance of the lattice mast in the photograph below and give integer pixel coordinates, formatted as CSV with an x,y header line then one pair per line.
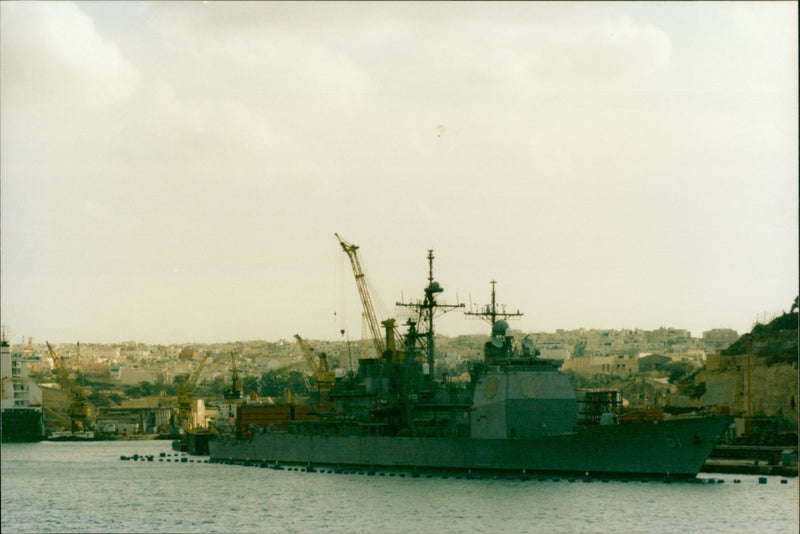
x,y
426,310
490,313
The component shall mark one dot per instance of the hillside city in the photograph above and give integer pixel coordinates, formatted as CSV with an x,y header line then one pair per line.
x,y
666,368
130,363
132,387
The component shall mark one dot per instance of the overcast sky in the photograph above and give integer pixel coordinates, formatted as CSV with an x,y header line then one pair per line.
x,y
175,172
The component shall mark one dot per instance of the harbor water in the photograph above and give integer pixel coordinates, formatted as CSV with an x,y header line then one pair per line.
x,y
86,487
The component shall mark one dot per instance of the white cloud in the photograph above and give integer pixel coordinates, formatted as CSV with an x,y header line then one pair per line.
x,y
589,146
52,53
616,51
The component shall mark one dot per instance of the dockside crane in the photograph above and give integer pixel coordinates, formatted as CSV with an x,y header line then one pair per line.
x,y
366,301
185,390
325,378
78,410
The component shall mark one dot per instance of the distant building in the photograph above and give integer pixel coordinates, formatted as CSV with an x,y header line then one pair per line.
x,y
188,354
556,350
623,365
653,362
720,338
146,415
115,371
130,376
694,356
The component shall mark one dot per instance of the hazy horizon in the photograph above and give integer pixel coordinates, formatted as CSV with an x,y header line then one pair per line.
x,y
174,172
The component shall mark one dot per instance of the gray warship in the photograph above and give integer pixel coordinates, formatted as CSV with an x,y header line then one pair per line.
x,y
517,413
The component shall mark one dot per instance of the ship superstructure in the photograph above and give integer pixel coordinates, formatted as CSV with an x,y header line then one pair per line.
x,y
21,416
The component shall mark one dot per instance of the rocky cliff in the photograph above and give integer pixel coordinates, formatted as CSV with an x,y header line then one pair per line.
x,y
757,376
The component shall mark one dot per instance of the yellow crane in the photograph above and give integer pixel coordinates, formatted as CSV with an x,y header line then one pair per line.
x,y
325,378
78,410
185,390
366,300
59,417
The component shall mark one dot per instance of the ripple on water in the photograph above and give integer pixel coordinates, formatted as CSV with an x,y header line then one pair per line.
x,y
104,494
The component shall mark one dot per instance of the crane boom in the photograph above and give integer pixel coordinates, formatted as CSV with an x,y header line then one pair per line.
x,y
307,353
185,390
79,407
324,377
363,292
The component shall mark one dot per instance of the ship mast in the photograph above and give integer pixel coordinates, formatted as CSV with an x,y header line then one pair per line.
x,y
489,312
426,309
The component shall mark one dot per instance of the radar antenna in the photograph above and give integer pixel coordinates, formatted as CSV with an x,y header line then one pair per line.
x,y
426,309
490,313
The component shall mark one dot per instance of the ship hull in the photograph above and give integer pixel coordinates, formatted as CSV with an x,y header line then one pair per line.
x,y
676,447
22,424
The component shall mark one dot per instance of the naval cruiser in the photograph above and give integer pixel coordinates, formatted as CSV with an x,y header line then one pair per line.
x,y
517,413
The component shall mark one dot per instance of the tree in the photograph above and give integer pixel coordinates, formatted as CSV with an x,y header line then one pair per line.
x,y
146,387
275,383
677,371
250,383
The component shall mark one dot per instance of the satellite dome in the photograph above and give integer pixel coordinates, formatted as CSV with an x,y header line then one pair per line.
x,y
434,287
499,328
